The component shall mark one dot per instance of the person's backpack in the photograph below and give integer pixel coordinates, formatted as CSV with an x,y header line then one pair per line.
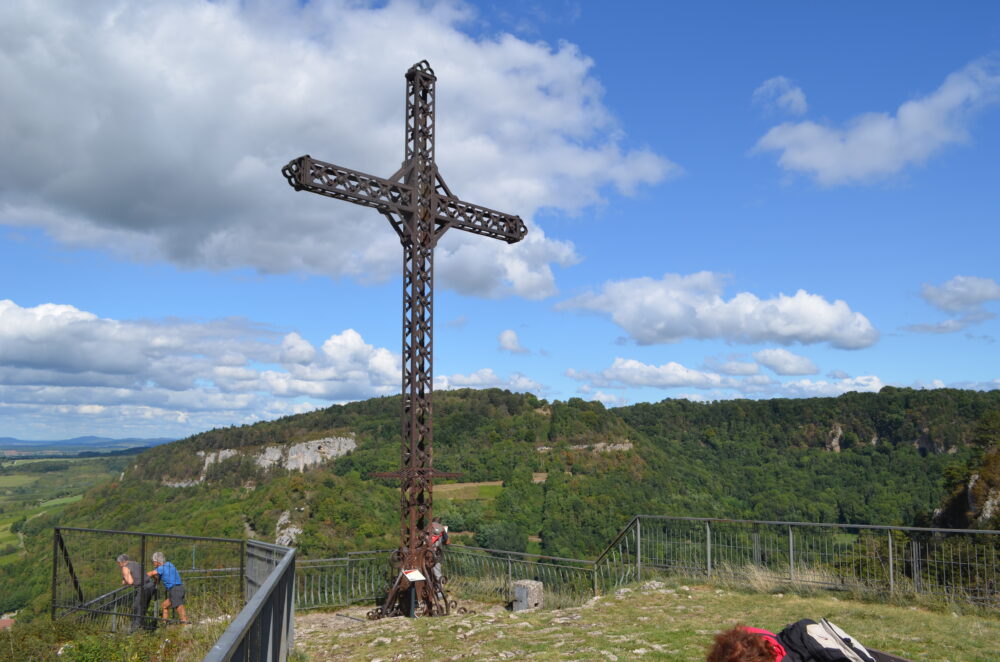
x,y
809,641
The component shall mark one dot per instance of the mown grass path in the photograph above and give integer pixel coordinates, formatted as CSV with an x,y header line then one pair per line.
x,y
654,621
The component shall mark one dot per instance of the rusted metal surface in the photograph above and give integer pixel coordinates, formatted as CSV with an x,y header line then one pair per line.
x,y
421,208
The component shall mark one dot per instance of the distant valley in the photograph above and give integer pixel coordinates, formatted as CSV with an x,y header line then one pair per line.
x,y
13,447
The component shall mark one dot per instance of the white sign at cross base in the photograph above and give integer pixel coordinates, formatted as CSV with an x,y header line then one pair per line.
x,y
414,575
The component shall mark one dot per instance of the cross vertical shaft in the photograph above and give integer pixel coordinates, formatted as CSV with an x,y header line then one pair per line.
x,y
418,239
420,208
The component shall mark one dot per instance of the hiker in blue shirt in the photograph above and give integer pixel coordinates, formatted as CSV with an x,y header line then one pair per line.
x,y
165,571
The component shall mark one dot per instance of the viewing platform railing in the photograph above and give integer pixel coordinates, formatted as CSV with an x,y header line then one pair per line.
x,y
265,585
222,576
961,565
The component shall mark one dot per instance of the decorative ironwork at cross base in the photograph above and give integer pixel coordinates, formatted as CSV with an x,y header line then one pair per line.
x,y
421,208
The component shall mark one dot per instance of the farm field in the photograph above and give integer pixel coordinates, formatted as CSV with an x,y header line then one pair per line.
x,y
29,488
484,490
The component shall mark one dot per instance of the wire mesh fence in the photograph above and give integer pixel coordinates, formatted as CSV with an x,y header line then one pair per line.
x,y
490,574
953,564
87,579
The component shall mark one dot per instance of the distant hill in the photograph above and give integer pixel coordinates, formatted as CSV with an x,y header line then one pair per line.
x,y
892,457
88,443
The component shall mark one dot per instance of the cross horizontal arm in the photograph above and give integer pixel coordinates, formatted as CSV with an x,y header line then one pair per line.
x,y
480,220
308,174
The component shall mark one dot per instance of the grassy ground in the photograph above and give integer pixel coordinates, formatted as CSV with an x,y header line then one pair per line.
x,y
66,640
654,621
485,491
17,480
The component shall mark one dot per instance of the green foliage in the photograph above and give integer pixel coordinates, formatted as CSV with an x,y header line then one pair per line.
x,y
901,451
502,534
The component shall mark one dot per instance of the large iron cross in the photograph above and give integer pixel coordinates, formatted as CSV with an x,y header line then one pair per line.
x,y
421,208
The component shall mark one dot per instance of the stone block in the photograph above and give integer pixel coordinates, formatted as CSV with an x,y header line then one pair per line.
x,y
527,594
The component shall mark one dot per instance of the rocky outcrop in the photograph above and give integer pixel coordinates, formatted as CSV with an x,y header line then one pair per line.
x,y
286,532
294,457
310,453
833,441
600,447
976,504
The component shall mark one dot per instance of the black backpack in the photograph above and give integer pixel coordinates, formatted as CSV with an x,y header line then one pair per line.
x,y
809,641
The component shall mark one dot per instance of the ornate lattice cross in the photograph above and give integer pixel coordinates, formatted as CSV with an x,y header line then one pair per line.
x,y
421,208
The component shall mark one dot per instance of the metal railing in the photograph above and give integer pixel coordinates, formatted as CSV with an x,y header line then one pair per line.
x,y
339,582
87,581
265,628
490,573
957,565
225,576
954,564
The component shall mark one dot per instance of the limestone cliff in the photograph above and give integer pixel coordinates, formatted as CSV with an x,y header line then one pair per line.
x,y
294,457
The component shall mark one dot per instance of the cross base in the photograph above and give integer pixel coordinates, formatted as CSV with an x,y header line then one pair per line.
x,y
418,589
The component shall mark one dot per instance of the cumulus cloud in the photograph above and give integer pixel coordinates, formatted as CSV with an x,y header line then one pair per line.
x,y
157,129
607,399
779,93
630,373
509,342
784,362
487,378
964,295
732,367
58,358
876,145
677,307
807,388
961,293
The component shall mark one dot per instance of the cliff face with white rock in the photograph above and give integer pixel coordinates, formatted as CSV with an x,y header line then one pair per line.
x,y
294,457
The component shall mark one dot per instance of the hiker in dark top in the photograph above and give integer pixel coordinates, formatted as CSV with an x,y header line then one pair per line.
x,y
144,587
165,571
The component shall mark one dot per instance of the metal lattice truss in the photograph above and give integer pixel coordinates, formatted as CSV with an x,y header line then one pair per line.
x,y
421,208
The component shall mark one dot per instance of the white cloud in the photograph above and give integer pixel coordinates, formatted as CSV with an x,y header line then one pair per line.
x,y
807,388
629,372
509,342
487,378
784,362
677,307
732,367
875,145
607,399
780,93
961,294
157,129
72,361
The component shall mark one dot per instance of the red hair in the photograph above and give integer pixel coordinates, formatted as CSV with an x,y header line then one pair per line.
x,y
739,645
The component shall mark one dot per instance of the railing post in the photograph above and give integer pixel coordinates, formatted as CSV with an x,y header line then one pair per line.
x,y
510,573
915,546
791,554
892,581
638,549
243,569
756,546
55,565
708,549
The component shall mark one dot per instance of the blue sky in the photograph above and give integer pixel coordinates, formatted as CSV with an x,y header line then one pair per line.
x,y
724,200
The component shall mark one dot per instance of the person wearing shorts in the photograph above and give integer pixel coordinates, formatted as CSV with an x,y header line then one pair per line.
x,y
165,571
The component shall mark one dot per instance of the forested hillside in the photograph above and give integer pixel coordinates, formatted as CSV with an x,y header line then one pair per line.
x,y
887,458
